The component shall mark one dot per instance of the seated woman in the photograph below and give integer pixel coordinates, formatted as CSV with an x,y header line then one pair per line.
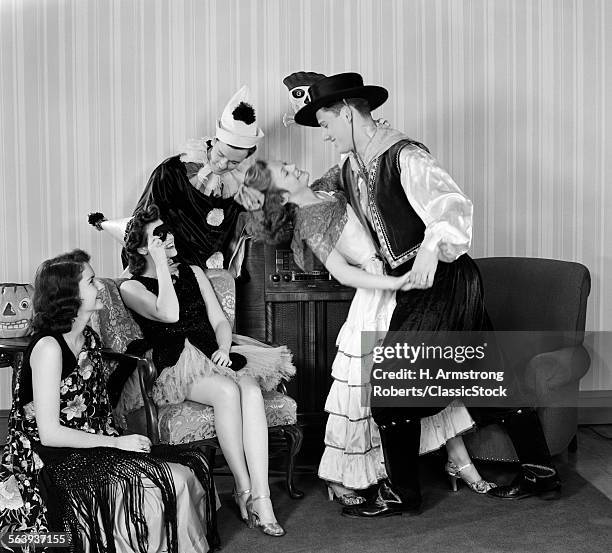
x,y
353,457
110,491
183,322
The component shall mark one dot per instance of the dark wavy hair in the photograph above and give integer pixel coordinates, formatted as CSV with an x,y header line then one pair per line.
x,y
136,237
278,217
56,292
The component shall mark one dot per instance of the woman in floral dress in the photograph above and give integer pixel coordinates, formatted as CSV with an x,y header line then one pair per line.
x,y
65,467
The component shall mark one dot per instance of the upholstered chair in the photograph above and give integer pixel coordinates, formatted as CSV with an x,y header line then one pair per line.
x,y
546,299
189,422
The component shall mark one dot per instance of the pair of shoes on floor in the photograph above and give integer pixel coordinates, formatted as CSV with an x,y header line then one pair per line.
x,y
386,503
454,473
349,499
539,480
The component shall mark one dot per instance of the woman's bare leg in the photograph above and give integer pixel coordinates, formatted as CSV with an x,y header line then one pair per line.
x,y
224,396
255,441
458,454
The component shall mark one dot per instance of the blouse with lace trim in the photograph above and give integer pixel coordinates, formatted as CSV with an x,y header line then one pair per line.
x,y
319,226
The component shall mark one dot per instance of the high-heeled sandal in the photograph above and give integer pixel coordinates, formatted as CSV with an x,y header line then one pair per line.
x,y
273,529
347,499
237,495
454,472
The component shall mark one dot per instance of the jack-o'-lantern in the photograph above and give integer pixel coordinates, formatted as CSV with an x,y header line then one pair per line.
x,y
15,309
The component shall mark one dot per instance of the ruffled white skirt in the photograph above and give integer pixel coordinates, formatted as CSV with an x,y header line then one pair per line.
x,y
267,365
437,429
353,454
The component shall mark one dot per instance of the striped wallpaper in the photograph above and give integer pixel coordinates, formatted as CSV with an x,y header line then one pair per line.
x,y
511,95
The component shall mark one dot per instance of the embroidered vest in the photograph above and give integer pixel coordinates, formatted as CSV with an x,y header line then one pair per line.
x,y
396,228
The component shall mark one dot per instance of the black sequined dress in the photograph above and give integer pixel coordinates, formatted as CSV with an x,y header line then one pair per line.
x,y
182,350
168,339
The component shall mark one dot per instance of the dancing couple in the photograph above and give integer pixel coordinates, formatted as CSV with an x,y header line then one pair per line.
x,y
397,228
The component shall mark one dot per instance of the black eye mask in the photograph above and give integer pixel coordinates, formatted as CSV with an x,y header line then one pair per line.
x,y
162,231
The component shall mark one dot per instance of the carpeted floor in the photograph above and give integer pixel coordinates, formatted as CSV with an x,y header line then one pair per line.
x,y
581,521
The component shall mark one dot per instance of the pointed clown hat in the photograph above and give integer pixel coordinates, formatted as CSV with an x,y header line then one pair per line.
x,y
117,228
238,125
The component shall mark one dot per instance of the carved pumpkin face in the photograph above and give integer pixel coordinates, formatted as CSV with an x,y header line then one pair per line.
x,y
15,309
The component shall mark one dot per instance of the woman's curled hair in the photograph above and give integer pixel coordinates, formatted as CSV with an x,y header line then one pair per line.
x,y
278,216
136,237
56,292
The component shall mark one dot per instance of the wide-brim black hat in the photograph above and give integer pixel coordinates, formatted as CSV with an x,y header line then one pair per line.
x,y
330,90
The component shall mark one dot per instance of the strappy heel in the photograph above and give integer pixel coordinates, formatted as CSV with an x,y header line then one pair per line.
x,y
347,499
273,529
454,473
248,518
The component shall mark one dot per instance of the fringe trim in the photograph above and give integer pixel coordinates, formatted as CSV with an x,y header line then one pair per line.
x,y
86,486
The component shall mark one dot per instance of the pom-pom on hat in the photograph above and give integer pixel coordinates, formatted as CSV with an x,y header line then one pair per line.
x,y
117,228
238,124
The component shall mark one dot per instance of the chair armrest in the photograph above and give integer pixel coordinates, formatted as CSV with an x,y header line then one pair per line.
x,y
146,378
554,369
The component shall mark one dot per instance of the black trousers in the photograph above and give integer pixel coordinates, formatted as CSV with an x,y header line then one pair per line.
x,y
400,441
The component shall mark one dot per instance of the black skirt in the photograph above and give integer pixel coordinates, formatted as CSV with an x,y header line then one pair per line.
x,y
454,303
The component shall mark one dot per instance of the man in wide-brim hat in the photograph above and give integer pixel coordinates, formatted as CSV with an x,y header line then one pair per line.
x,y
417,216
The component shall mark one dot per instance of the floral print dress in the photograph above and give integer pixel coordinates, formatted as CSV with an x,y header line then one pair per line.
x,y
98,490
84,406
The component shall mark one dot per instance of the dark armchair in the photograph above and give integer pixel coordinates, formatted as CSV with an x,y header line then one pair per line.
x,y
538,295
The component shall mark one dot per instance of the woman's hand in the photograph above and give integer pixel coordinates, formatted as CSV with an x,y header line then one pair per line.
x,y
157,250
133,442
424,268
221,357
402,283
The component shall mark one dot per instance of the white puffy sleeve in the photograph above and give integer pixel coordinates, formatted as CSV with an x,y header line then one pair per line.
x,y
438,201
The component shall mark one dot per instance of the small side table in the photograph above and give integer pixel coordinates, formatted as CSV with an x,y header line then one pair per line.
x,y
13,349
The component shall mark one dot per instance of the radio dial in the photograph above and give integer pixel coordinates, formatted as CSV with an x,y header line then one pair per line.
x,y
287,278
275,277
